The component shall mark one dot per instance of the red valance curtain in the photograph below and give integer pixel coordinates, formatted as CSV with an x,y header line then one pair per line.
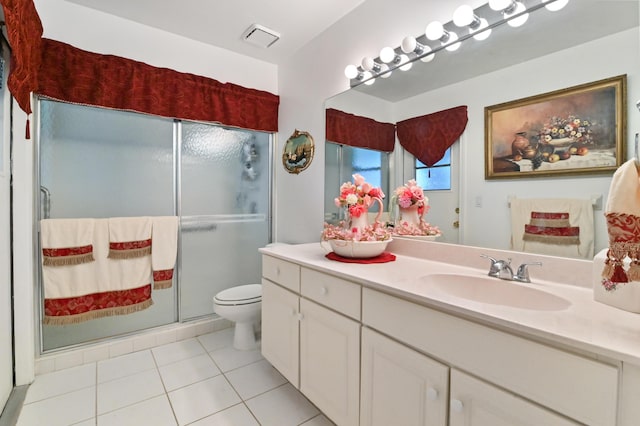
x,y
429,136
74,75
357,131
66,73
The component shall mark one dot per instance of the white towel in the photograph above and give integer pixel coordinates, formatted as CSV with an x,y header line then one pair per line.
x,y
106,287
129,237
623,225
164,240
580,215
66,241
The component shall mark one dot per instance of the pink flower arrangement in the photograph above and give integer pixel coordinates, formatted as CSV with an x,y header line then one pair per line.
x,y
357,196
409,195
341,232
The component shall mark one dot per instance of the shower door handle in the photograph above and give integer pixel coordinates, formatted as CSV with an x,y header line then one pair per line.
x,y
46,204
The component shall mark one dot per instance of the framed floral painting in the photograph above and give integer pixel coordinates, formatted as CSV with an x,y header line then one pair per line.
x,y
578,130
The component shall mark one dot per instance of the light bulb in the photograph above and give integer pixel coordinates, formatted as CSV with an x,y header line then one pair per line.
x,y
405,63
367,77
500,5
452,37
387,55
434,31
409,44
384,71
429,57
367,63
556,5
520,20
463,16
351,71
482,32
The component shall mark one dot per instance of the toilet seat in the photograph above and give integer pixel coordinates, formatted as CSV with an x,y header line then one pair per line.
x,y
239,295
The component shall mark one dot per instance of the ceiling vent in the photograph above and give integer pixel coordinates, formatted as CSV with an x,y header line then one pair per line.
x,y
260,36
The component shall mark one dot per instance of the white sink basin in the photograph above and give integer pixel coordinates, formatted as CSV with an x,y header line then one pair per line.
x,y
494,291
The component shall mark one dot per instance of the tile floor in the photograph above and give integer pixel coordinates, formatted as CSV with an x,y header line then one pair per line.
x,y
201,381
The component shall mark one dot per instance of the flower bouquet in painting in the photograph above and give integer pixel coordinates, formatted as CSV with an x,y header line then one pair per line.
x,y
408,207
355,236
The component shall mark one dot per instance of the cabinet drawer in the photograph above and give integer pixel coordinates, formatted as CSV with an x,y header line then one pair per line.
x,y
578,387
335,293
285,273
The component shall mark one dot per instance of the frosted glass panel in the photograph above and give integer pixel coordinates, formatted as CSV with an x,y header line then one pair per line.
x,y
224,214
104,163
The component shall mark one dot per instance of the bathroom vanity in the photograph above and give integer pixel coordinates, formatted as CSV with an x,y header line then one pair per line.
x,y
430,339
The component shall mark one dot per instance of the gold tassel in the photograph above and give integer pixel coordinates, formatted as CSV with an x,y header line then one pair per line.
x,y
634,271
607,271
68,260
129,254
99,313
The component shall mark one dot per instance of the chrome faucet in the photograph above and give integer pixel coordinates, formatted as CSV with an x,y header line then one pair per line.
x,y
502,269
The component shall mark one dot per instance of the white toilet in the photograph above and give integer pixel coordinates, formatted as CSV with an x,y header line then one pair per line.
x,y
241,305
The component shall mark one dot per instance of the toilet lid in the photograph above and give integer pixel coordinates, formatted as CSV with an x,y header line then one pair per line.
x,y
240,295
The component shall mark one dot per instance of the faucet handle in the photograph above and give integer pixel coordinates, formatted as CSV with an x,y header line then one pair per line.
x,y
493,269
522,274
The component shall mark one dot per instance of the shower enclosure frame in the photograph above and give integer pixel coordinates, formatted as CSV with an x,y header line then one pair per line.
x,y
38,190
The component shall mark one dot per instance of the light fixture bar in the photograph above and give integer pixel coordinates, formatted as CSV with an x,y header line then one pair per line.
x,y
426,51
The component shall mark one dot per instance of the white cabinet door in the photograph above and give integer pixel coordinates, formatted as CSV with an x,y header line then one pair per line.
x,y
330,362
280,330
401,386
477,403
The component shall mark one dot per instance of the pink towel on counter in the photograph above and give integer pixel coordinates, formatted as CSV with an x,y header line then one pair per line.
x,y
623,225
164,240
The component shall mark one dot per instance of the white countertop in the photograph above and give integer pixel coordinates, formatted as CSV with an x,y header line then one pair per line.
x,y
583,324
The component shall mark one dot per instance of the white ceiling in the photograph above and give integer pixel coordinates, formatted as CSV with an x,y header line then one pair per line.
x,y
222,23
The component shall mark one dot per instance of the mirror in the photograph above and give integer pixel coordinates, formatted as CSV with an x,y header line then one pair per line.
x,y
298,152
552,51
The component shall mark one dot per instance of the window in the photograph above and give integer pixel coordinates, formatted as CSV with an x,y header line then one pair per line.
x,y
437,177
343,161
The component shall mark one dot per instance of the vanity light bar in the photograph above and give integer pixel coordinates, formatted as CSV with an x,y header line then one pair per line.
x,y
512,12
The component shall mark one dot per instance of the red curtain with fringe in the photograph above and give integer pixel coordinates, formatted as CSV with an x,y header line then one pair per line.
x,y
429,136
360,132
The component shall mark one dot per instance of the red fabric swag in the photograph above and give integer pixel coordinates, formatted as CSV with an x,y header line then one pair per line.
x,y
357,131
427,137
25,31
74,75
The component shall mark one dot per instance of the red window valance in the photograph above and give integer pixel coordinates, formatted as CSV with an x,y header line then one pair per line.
x,y
427,137
66,73
74,75
360,132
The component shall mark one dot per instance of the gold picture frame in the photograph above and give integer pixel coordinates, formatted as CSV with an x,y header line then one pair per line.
x,y
298,152
577,130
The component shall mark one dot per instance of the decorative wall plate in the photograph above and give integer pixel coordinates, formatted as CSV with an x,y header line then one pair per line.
x,y
298,152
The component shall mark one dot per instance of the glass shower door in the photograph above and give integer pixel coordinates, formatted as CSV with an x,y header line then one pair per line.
x,y
98,163
225,193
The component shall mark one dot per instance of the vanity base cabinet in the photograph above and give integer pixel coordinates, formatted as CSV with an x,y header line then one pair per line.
x,y
280,330
474,402
400,386
330,362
